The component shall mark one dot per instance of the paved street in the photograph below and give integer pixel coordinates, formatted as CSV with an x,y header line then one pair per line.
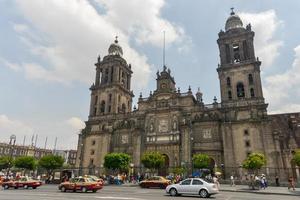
x,y
48,192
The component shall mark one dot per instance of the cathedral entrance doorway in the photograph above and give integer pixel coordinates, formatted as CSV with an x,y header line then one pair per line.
x,y
164,170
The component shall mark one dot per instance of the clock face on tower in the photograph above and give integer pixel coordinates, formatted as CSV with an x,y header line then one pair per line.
x,y
163,86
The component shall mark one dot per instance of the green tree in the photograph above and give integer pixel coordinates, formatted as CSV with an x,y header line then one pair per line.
x,y
5,162
25,162
179,170
153,160
296,157
201,161
50,163
117,161
254,161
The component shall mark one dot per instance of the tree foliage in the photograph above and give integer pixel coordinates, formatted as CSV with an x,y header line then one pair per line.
x,y
51,162
25,162
5,162
179,170
117,161
296,157
201,161
254,161
153,160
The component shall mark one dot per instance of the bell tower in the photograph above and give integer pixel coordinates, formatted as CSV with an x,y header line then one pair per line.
x,y
111,94
239,71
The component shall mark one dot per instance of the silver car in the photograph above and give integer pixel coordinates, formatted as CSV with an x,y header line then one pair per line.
x,y
193,186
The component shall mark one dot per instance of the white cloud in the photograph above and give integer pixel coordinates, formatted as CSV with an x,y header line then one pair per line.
x,y
142,20
11,126
282,90
68,35
13,66
76,123
264,24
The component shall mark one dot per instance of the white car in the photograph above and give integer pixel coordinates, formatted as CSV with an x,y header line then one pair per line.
x,y
193,186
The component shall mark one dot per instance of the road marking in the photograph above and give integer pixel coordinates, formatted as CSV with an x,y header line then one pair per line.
x,y
120,198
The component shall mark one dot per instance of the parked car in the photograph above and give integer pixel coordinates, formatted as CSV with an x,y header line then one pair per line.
x,y
24,182
82,184
195,186
155,181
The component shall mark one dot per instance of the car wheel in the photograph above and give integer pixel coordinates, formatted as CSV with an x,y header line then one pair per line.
x,y
173,192
16,187
83,189
94,191
203,193
6,187
25,186
63,189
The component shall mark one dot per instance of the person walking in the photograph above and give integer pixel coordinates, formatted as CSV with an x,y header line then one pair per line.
x,y
232,180
291,183
277,180
215,180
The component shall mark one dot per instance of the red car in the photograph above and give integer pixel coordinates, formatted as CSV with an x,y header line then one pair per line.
x,y
24,182
82,184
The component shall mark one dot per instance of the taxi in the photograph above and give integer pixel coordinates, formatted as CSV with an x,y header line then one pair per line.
x,y
82,184
155,181
23,182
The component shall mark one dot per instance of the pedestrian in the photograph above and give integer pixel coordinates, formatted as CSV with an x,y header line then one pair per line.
x,y
277,181
232,180
291,183
215,180
263,181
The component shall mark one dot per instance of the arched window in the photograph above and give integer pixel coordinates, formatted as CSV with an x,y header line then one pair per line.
x,y
96,100
250,79
236,53
123,108
227,51
240,90
252,92
102,108
228,81
229,95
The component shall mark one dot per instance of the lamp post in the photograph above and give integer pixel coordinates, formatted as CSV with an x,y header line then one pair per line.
x,y
12,142
131,171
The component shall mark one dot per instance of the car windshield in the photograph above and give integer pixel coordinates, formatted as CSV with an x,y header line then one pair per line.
x,y
93,177
89,180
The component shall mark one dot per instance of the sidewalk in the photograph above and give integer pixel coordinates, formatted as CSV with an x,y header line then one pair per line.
x,y
269,190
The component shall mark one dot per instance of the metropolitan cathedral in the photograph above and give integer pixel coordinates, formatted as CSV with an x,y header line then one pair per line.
x,y
179,124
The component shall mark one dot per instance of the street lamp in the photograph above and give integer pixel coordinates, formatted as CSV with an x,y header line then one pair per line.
x,y
12,142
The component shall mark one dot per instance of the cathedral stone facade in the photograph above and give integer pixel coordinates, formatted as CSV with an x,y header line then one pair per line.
x,y
178,124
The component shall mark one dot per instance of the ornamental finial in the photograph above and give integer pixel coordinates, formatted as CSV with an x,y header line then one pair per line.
x,y
116,40
232,12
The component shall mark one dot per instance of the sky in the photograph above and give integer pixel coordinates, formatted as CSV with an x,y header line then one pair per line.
x,y
48,49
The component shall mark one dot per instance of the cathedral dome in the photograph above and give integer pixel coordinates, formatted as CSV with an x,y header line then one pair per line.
x,y
233,22
115,48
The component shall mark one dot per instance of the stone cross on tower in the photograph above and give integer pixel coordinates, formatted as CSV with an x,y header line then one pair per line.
x,y
232,12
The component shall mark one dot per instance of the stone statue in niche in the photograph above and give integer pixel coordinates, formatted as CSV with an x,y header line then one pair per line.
x,y
174,124
151,127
